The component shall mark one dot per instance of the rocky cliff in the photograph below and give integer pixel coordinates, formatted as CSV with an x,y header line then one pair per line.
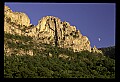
x,y
50,30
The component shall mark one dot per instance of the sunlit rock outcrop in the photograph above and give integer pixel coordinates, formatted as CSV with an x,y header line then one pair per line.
x,y
49,30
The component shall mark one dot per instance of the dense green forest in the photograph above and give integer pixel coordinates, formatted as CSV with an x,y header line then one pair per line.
x,y
109,51
80,64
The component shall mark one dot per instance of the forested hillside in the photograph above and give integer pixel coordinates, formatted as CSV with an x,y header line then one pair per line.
x,y
53,62
109,51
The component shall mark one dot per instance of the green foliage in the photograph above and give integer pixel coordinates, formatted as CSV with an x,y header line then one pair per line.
x,y
81,65
84,66
8,38
109,51
17,37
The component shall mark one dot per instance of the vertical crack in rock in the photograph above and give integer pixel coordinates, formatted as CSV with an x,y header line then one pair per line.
x,y
56,34
50,30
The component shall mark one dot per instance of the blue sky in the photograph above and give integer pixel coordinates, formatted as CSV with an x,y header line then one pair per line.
x,y
94,20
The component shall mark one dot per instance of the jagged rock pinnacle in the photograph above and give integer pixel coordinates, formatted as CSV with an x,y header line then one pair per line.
x,y
50,30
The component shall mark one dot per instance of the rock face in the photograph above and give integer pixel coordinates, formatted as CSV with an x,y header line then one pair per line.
x,y
95,50
50,30
62,34
17,17
15,22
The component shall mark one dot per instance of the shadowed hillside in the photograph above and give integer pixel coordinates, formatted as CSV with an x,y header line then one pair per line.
x,y
109,51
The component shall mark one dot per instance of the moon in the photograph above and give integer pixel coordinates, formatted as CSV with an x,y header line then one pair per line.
x,y
99,39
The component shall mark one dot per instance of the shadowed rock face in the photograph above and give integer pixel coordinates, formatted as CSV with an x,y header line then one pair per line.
x,y
50,30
